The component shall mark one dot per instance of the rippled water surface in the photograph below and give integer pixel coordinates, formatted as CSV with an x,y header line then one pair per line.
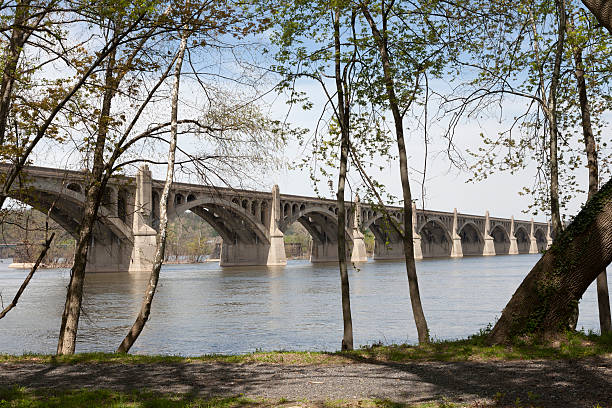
x,y
203,308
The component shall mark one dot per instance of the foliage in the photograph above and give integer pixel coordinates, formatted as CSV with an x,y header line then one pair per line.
x,y
511,60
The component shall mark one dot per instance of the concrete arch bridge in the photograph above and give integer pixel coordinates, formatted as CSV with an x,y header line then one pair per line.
x,y
252,223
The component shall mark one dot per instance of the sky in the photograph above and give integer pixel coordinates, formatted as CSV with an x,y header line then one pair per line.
x,y
446,186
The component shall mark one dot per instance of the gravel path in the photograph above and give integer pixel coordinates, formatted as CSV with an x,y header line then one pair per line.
x,y
581,383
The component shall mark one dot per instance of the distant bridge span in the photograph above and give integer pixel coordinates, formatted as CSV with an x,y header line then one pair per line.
x,y
252,223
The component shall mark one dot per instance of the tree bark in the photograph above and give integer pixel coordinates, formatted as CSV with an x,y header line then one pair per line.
x,y
602,9
603,298
145,310
95,190
554,129
546,299
407,237
343,118
11,58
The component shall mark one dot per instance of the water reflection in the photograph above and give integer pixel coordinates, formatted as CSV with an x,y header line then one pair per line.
x,y
206,309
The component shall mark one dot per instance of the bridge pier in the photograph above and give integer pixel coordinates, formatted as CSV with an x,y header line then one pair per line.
x,y
258,253
533,242
456,249
416,238
513,242
145,237
242,254
324,252
359,253
489,243
276,252
549,240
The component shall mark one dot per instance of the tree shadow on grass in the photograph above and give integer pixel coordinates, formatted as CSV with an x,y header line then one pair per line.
x,y
542,383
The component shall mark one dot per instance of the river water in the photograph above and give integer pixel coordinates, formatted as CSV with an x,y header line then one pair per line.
x,y
202,308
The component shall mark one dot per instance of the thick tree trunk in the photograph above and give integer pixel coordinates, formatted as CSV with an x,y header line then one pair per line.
x,y
413,283
343,118
603,298
145,310
546,299
94,193
602,10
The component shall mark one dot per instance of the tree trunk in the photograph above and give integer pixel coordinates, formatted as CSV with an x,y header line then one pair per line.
x,y
603,298
343,119
546,299
602,9
413,283
11,58
145,310
94,193
555,214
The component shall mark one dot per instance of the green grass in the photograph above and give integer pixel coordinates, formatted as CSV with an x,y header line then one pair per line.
x,y
50,398
20,397
572,345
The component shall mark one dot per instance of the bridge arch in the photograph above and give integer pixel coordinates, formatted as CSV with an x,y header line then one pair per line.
x,y
436,240
501,239
317,222
523,241
541,240
67,208
472,240
376,217
228,218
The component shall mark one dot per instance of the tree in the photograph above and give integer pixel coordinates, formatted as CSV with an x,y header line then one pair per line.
x,y
519,54
602,9
34,117
198,21
380,28
332,64
145,310
577,44
530,58
546,299
113,134
113,21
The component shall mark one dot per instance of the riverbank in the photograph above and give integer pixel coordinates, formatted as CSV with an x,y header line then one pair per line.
x,y
572,345
573,371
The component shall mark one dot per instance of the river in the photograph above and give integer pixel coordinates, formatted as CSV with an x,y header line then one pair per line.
x,y
202,308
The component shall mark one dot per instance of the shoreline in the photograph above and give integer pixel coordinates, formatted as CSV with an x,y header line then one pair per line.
x,y
573,371
568,346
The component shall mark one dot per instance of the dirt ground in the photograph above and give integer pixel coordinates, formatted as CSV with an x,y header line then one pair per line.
x,y
560,383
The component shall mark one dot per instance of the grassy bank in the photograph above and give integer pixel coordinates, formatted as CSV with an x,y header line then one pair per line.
x,y
19,397
570,346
